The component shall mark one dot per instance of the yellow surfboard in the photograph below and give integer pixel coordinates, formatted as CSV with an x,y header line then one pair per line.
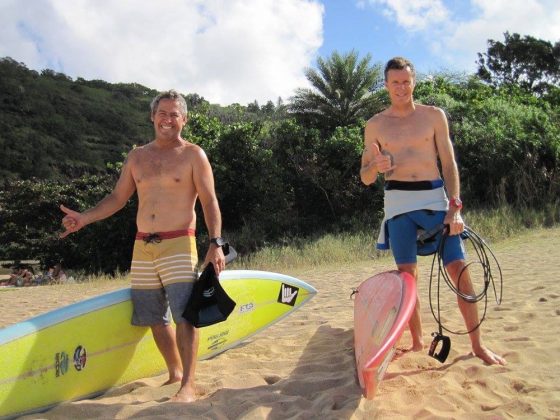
x,y
84,349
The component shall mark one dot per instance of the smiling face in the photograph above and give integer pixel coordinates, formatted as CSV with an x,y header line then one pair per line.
x,y
400,85
168,119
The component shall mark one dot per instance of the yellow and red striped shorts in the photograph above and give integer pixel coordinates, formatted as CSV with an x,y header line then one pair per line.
x,y
163,258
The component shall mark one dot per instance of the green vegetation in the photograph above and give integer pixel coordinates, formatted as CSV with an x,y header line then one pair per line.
x,y
53,127
342,92
331,250
287,176
533,64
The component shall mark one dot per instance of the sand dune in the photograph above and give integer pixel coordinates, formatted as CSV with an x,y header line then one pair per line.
x,y
303,367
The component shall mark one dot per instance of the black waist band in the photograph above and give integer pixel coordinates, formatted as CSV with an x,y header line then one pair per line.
x,y
413,185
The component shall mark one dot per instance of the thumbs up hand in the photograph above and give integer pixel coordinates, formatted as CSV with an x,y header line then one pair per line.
x,y
383,160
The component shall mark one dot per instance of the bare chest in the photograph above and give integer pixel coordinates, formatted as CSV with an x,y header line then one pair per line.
x,y
407,138
162,170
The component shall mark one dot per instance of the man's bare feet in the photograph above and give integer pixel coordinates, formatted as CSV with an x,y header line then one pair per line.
x,y
401,351
489,356
174,377
417,346
172,380
186,394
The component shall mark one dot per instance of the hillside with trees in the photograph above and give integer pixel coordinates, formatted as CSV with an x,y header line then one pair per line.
x,y
54,127
284,172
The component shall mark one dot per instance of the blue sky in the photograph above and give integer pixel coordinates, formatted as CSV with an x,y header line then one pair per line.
x,y
244,50
367,30
437,35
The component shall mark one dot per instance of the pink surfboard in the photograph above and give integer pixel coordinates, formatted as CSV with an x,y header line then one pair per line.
x,y
383,305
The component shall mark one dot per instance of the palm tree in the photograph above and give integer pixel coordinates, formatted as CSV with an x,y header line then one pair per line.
x,y
342,92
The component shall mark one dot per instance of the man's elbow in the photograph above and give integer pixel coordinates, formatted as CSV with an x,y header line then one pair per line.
x,y
210,205
118,201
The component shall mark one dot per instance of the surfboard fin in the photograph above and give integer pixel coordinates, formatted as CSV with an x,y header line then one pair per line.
x,y
230,253
445,347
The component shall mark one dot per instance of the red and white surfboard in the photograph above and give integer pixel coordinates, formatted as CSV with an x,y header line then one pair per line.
x,y
383,306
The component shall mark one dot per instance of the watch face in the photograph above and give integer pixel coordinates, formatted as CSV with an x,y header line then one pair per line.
x,y
218,241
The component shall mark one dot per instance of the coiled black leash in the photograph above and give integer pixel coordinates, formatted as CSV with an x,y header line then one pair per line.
x,y
486,259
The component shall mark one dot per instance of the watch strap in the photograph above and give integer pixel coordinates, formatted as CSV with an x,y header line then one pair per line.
x,y
218,241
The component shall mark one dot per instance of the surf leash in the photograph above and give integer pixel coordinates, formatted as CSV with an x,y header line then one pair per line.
x,y
485,258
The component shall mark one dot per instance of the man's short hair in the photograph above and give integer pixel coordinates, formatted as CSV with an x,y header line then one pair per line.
x,y
170,94
399,63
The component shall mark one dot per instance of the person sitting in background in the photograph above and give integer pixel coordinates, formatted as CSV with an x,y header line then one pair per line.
x,y
14,276
21,276
45,278
58,275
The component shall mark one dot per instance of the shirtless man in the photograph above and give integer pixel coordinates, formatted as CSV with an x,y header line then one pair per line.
x,y
404,143
169,174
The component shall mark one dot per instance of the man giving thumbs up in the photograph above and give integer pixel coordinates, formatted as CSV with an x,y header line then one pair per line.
x,y
404,143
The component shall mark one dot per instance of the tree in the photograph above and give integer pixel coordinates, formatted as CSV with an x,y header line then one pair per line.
x,y
342,92
531,63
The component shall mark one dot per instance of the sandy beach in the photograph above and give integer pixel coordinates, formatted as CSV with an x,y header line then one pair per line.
x,y
303,367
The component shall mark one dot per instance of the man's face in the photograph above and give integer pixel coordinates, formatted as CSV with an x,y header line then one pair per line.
x,y
400,85
168,119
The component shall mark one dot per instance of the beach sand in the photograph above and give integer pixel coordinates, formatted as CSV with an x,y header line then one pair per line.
x,y
303,367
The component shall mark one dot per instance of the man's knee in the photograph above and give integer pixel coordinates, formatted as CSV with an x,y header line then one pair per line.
x,y
408,268
456,267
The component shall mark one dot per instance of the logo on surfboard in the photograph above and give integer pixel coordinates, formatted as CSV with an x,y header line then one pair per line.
x,y
288,294
60,363
217,340
80,357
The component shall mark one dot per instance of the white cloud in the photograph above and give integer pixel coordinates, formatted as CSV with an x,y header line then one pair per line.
x,y
537,18
452,32
225,50
414,15
454,38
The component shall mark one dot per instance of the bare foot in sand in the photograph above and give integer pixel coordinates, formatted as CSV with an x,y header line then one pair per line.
x,y
173,378
401,351
417,347
185,395
489,356
171,381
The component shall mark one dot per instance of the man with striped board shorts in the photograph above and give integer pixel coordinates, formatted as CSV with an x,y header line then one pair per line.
x,y
169,174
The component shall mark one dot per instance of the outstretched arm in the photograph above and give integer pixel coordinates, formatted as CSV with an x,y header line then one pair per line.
x,y
116,200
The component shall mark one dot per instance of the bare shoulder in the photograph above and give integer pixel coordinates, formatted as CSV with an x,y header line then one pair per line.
x,y
377,119
141,154
194,150
194,154
430,111
374,123
134,155
141,150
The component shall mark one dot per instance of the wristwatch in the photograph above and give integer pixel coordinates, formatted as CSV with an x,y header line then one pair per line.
x,y
456,202
218,241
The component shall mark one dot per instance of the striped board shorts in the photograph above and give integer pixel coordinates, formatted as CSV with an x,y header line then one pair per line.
x,y
162,275
161,259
